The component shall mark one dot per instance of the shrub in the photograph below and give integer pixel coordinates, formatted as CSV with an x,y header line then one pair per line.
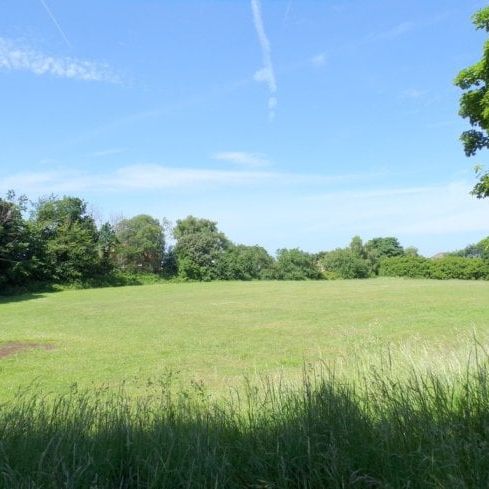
x,y
449,267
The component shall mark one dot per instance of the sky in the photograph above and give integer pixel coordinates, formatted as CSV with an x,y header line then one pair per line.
x,y
294,123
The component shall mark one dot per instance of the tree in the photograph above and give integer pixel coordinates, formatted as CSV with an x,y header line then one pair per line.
x,y
199,248
474,105
107,246
14,240
295,264
241,262
378,248
357,247
64,239
141,244
411,251
344,263
478,250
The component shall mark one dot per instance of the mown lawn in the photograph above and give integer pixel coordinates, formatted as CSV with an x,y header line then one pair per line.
x,y
219,332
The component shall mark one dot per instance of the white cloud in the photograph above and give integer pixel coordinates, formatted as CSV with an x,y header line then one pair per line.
x,y
318,60
107,152
241,158
266,74
158,177
407,211
15,56
432,217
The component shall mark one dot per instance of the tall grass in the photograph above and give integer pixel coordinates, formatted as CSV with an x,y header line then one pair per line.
x,y
421,430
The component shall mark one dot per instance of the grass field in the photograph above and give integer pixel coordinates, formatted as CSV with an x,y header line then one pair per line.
x,y
403,424
220,332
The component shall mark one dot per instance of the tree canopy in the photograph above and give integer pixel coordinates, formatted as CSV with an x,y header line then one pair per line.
x,y
474,104
140,242
57,240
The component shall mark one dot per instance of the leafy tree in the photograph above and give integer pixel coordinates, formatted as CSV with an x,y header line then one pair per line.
x,y
141,244
241,262
199,248
295,264
383,247
411,251
474,104
478,250
357,247
378,248
65,239
15,250
107,246
344,263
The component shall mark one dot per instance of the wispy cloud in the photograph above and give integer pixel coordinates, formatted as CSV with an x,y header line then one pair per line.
x,y
266,74
107,152
240,158
158,177
16,56
56,23
423,210
319,60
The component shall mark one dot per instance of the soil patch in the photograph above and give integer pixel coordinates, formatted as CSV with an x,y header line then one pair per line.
x,y
7,349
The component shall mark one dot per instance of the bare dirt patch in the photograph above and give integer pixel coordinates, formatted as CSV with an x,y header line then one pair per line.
x,y
7,349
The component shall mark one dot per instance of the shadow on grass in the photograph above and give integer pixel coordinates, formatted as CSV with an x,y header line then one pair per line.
x,y
422,433
38,290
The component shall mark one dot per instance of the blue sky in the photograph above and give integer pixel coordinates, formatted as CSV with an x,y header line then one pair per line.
x,y
291,123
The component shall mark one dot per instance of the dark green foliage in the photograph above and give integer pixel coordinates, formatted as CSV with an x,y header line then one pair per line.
x,y
421,432
449,267
384,247
199,248
378,248
405,266
241,262
60,244
107,246
169,265
15,253
294,264
140,244
474,104
65,240
344,263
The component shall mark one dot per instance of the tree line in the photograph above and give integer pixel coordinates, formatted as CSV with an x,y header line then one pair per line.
x,y
57,240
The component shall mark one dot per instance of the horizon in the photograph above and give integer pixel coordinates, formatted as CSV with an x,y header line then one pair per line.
x,y
290,124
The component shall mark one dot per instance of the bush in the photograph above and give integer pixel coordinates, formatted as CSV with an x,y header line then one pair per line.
x,y
449,267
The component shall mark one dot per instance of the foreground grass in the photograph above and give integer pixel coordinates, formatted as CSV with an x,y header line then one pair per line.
x,y
218,332
425,431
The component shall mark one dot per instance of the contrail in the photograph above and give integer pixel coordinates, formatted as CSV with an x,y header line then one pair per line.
x,y
287,12
55,22
265,74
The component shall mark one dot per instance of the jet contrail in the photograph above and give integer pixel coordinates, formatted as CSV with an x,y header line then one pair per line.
x,y
287,12
266,74
55,22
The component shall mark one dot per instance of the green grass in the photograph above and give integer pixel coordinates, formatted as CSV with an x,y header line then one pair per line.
x,y
422,432
220,332
361,384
